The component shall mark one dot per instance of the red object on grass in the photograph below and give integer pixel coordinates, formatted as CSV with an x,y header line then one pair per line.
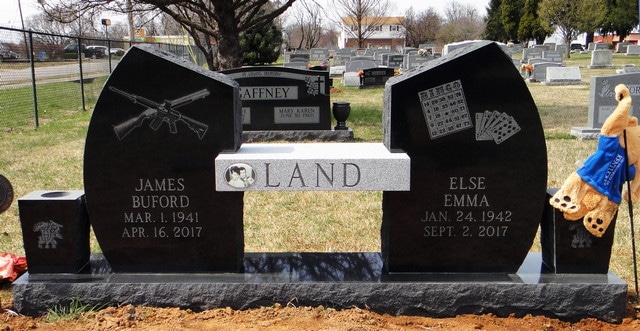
x,y
11,266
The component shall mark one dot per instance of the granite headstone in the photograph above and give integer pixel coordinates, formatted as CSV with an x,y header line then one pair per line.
x,y
319,54
55,230
478,165
633,50
531,53
276,98
563,76
375,77
567,247
601,96
297,63
148,166
395,61
540,70
601,59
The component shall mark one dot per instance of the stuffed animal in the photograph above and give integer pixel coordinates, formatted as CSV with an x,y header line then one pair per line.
x,y
594,191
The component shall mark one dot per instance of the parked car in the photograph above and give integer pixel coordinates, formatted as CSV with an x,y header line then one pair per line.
x,y
102,49
6,53
117,51
576,47
72,49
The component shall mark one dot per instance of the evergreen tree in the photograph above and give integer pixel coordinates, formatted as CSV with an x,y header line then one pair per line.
x,y
493,22
530,26
510,13
261,46
621,17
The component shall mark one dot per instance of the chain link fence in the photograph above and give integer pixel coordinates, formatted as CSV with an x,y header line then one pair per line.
x,y
46,76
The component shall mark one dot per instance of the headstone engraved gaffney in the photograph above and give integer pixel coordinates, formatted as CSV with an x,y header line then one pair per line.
x,y
149,172
277,98
478,165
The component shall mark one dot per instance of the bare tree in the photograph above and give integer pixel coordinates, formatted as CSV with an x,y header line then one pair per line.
x,y
361,18
421,27
462,22
208,22
305,29
53,30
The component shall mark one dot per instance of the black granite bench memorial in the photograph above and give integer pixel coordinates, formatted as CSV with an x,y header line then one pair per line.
x,y
462,168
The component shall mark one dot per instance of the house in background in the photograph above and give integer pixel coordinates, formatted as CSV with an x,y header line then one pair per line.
x,y
379,32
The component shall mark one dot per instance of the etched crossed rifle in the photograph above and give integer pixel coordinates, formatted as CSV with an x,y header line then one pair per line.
x,y
161,112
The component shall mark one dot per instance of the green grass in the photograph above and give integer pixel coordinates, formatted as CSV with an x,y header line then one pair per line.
x,y
50,158
74,310
55,100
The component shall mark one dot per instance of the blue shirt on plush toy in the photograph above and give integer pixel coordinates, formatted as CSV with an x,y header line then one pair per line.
x,y
604,170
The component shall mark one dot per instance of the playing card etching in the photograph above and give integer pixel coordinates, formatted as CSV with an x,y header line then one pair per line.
x,y
445,109
496,126
50,232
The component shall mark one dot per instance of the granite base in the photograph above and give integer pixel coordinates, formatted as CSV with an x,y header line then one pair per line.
x,y
585,133
338,280
298,135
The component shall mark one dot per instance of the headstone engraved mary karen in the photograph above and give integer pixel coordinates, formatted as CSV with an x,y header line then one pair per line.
x,y
478,165
277,98
148,168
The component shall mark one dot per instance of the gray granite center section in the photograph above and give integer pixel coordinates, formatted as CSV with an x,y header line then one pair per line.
x,y
314,167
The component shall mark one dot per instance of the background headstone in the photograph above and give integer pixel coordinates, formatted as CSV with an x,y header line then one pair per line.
x,y
355,64
319,54
415,60
602,100
396,61
563,76
621,47
531,53
276,98
552,56
297,63
601,59
478,165
149,173
540,70
376,76
633,50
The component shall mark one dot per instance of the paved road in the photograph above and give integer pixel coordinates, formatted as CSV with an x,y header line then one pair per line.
x,y
62,72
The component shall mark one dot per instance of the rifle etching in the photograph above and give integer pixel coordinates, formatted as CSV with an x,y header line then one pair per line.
x,y
159,113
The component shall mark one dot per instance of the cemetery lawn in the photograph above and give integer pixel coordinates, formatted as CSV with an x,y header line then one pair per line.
x,y
50,158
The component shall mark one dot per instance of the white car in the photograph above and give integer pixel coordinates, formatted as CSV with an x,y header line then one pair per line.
x,y
117,51
102,49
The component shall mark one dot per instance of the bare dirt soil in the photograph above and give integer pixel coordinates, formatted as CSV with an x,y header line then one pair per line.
x,y
299,318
